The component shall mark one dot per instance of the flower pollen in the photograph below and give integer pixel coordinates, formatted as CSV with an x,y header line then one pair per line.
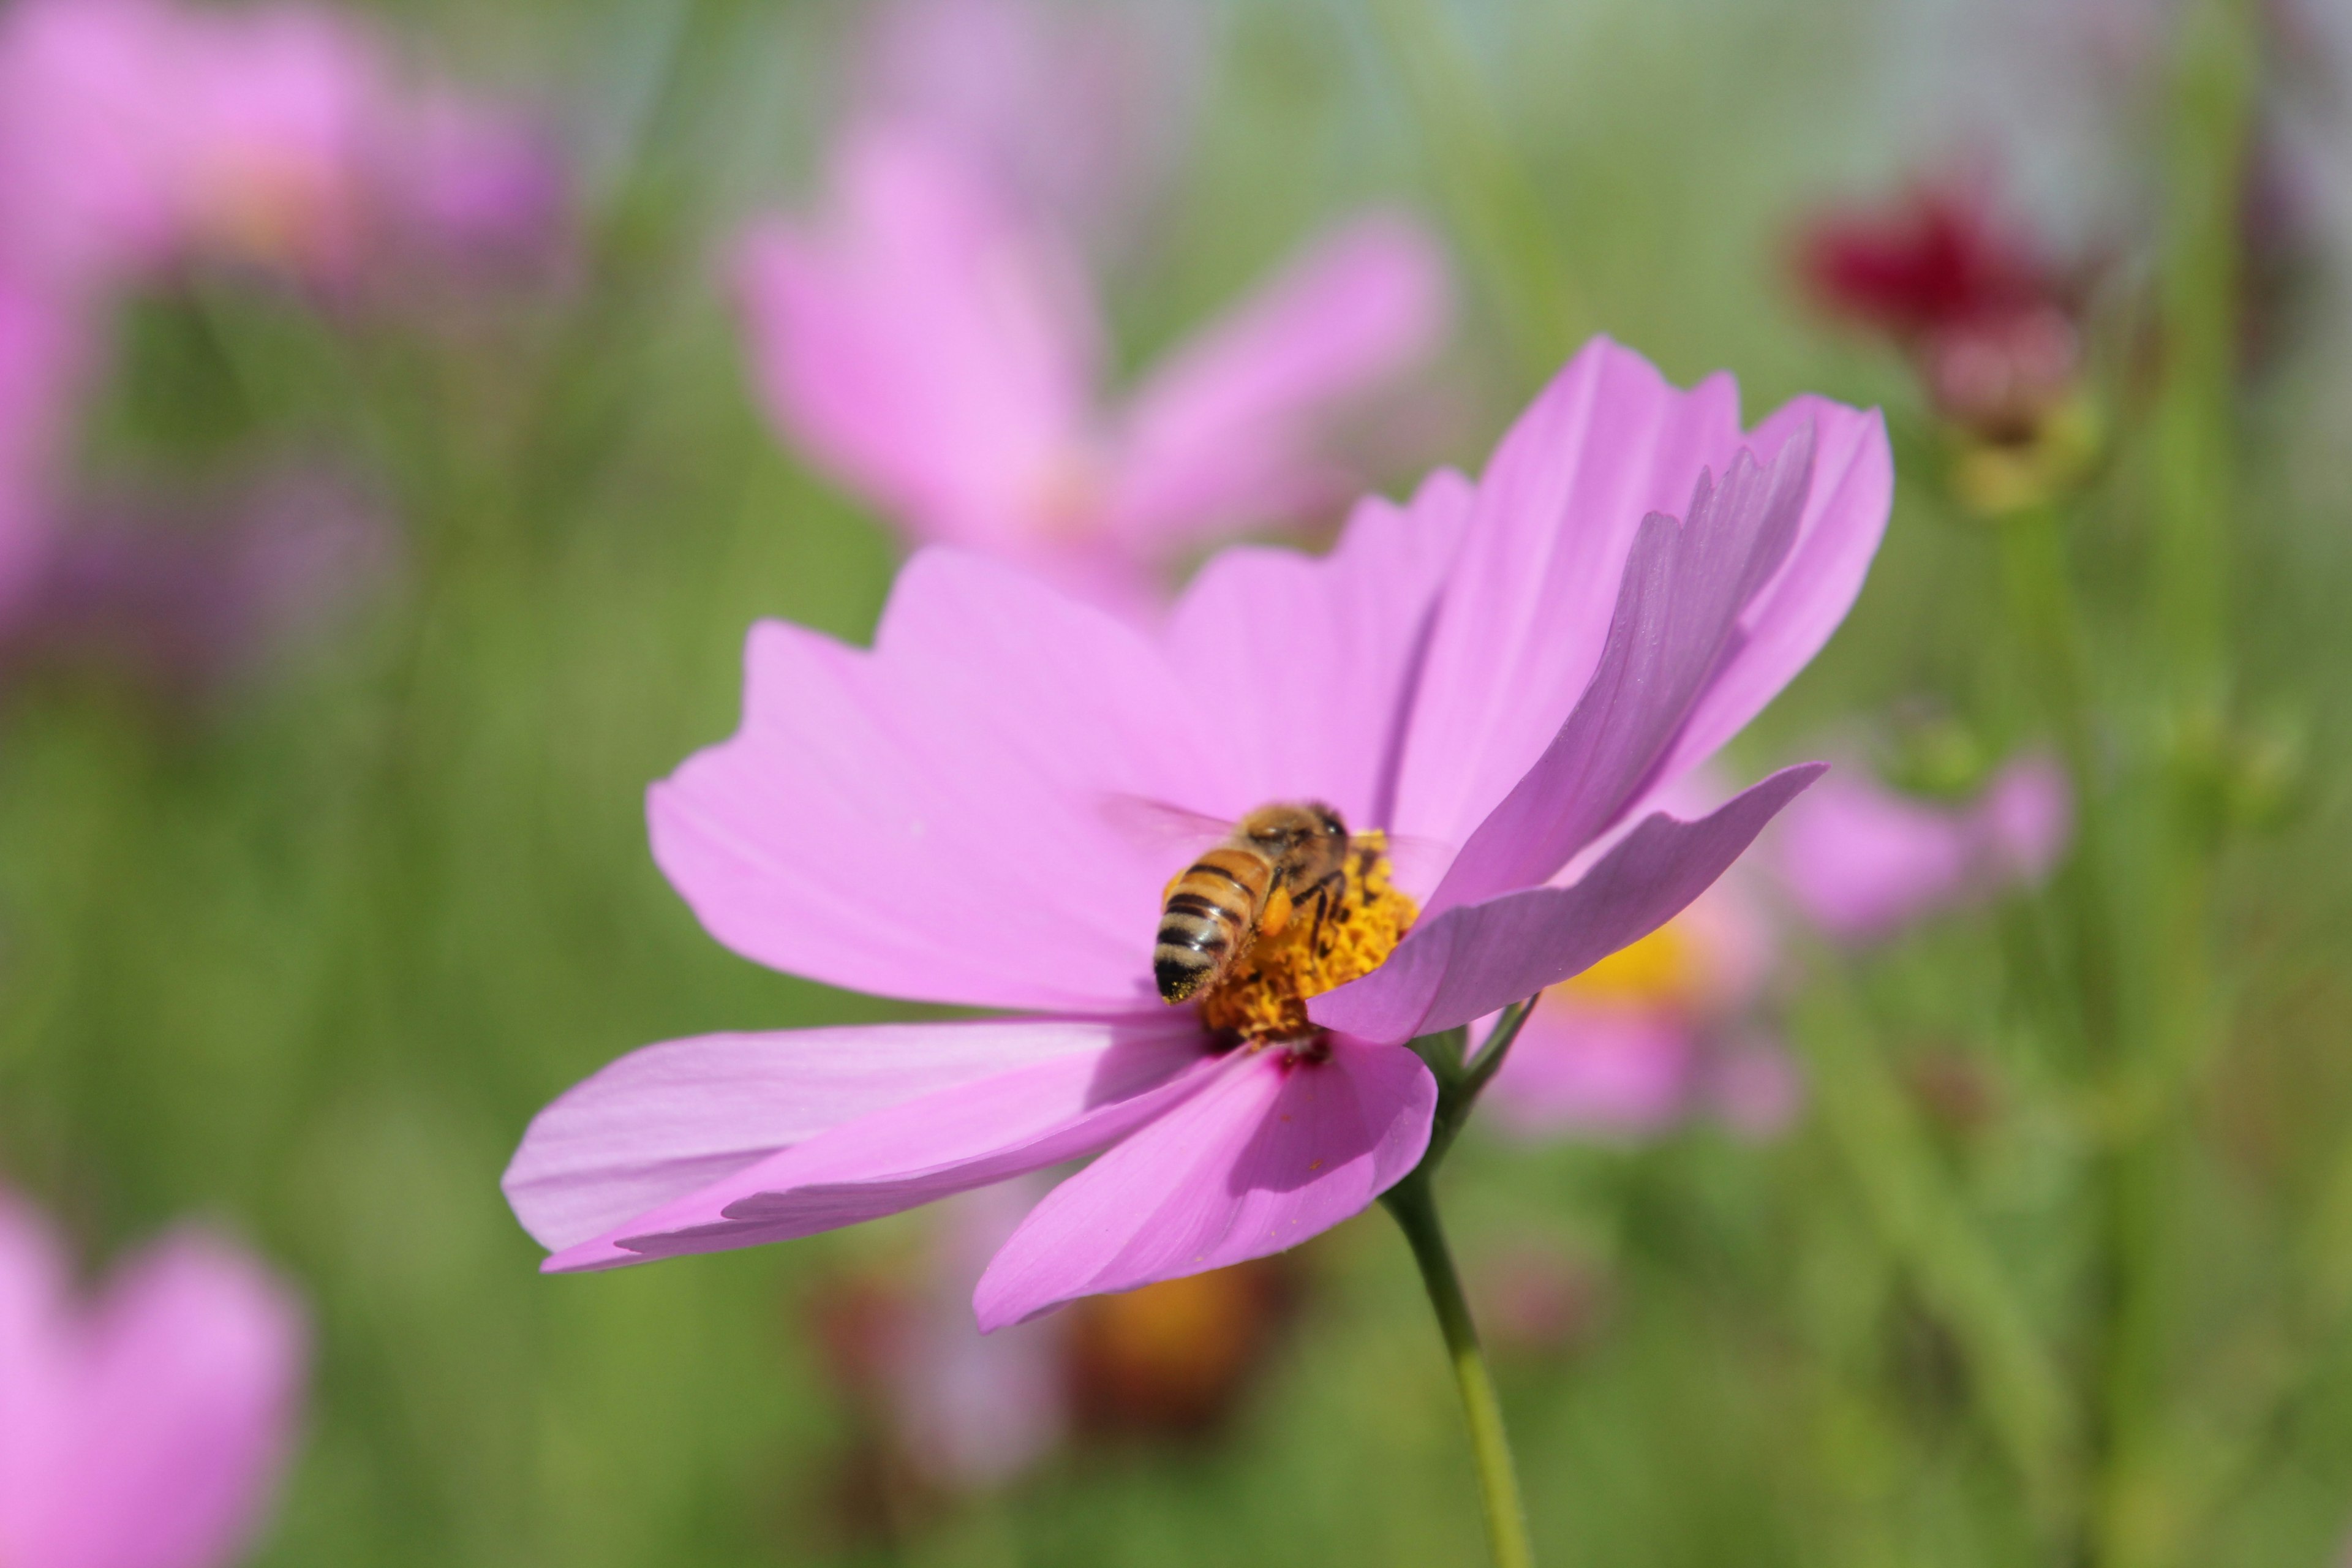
x,y
1305,954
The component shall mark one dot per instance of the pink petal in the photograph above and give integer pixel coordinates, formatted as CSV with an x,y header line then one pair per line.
x,y
2025,819
1221,435
1476,958
1675,624
190,1390
947,1141
1861,860
1274,1152
1326,649
1786,624
669,1119
35,1368
1526,615
1577,1068
925,348
1528,609
1754,1086
927,821
41,355
88,116
977,1410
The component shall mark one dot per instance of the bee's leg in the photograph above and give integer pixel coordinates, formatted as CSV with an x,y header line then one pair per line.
x,y
1325,892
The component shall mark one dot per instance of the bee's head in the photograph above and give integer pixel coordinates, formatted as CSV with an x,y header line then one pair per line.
x,y
1278,829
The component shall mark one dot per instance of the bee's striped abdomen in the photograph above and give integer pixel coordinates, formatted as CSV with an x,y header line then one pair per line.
x,y
1210,913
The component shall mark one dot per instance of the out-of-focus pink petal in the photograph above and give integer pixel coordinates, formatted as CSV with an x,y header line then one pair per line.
x,y
36,1367
927,820
1078,109
41,350
1275,1151
1220,435
978,1409
1676,621
1476,958
1579,1069
952,1140
1753,1085
1861,860
925,348
88,116
671,1119
1324,649
2026,819
272,136
1527,612
472,184
190,1387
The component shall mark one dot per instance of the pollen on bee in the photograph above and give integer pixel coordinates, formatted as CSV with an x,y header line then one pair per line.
x,y
1320,946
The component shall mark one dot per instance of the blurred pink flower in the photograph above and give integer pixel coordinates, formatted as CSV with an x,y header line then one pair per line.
x,y
1075,112
975,1412
467,186
926,821
1657,1033
185,598
146,1429
1861,861
139,133
938,355
41,354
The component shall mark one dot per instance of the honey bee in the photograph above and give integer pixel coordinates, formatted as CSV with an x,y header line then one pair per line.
x,y
1276,858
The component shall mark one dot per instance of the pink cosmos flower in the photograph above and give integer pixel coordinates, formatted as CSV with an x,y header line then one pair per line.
x,y
1861,861
139,133
1075,112
1513,671
1657,1033
940,355
146,1429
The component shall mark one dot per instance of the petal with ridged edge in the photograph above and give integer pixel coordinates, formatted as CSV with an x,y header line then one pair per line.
x,y
1476,958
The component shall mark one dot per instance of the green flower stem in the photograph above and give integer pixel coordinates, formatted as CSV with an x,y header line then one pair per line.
x,y
1924,1220
1414,1202
1498,1483
2049,625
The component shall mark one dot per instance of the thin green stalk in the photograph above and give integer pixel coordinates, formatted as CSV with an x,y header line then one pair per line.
x,y
1924,1223
2186,635
2049,624
1416,1209
1414,1202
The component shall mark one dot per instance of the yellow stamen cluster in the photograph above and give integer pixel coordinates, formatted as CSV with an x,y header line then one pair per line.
x,y
1298,955
1663,969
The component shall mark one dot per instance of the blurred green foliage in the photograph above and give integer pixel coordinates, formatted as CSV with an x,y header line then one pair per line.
x,y
307,960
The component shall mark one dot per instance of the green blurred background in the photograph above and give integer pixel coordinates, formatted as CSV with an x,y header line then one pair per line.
x,y
306,957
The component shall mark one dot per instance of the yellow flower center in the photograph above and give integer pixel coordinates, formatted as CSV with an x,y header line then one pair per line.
x,y
1306,948
1663,969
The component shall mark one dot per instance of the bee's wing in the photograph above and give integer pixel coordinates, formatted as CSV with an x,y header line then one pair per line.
x,y
1158,826
1417,864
